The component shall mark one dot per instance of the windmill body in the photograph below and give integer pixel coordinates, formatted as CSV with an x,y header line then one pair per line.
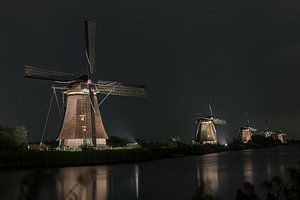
x,y
246,133
206,132
281,137
77,127
205,128
82,122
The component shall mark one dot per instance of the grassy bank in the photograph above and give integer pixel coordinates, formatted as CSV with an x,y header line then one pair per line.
x,y
29,159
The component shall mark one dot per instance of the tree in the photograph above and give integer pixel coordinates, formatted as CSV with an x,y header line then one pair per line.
x,y
13,138
115,141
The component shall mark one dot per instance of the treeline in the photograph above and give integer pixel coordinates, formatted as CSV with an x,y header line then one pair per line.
x,y
13,138
257,141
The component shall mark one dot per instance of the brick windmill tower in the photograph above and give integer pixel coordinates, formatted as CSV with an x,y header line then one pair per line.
x,y
82,122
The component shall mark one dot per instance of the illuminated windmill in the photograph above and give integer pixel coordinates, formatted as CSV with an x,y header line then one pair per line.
x,y
280,136
267,133
245,134
205,128
82,123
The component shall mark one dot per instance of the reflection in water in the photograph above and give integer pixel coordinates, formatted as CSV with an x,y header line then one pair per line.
x,y
136,174
282,168
198,175
207,173
269,174
248,166
152,180
84,183
95,183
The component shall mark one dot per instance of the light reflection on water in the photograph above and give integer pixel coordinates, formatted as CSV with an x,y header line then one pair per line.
x,y
207,173
248,167
94,183
176,178
136,173
82,183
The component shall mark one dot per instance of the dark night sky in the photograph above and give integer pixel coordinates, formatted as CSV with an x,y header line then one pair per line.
x,y
246,54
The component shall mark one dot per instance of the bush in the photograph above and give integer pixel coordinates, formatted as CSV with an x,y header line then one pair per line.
x,y
115,141
13,138
276,188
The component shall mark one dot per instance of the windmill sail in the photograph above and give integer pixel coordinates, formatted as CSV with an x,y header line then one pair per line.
x,y
121,89
219,121
90,38
38,73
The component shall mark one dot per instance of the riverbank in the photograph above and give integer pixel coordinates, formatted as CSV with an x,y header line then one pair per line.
x,y
37,159
32,159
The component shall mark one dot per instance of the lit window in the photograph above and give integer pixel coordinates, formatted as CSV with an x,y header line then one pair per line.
x,y
82,117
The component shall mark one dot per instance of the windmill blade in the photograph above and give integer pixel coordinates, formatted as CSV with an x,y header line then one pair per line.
x,y
219,121
201,115
90,37
204,117
120,89
38,73
210,110
209,105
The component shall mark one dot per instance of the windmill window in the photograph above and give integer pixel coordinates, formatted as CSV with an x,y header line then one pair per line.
x,y
82,117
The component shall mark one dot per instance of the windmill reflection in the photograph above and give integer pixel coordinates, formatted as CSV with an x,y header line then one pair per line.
x,y
207,173
97,183
136,176
248,166
84,183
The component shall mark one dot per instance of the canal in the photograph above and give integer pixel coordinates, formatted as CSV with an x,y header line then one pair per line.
x,y
176,178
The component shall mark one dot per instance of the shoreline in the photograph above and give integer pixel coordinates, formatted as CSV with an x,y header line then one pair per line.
x,y
53,159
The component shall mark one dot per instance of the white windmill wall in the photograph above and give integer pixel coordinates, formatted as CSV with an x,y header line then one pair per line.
x,y
208,133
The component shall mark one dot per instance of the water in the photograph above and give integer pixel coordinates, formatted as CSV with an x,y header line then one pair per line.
x,y
176,178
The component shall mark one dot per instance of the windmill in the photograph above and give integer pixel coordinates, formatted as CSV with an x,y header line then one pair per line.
x,y
82,122
246,131
205,127
278,136
267,133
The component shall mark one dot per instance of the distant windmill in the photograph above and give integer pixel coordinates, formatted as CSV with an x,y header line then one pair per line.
x,y
82,123
205,127
280,136
246,131
267,133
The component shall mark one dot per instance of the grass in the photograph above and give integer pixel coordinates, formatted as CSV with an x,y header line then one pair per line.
x,y
28,159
